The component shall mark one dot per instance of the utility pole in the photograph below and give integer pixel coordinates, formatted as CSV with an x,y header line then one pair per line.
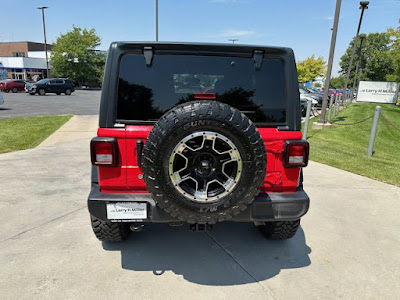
x,y
42,8
330,62
156,20
363,6
233,40
362,37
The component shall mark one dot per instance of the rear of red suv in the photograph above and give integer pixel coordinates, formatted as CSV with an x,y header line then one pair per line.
x,y
198,134
12,86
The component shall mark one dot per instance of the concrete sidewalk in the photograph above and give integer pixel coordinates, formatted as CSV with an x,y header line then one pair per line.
x,y
77,128
348,246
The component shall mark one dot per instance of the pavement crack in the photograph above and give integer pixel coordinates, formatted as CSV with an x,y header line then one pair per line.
x,y
267,290
45,223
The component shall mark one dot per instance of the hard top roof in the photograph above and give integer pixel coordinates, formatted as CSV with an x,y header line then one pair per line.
x,y
200,46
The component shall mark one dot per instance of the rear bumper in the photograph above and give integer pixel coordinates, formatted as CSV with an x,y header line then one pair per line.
x,y
265,207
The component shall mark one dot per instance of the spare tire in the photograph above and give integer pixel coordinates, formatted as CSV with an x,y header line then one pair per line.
x,y
204,162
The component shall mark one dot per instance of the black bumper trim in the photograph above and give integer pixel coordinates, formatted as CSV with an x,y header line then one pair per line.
x,y
265,207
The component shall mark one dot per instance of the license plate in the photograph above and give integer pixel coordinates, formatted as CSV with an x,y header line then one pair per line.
x,y
126,211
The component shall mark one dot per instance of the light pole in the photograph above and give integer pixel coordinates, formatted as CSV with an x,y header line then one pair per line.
x,y
361,67
233,40
156,20
330,62
42,8
363,6
362,37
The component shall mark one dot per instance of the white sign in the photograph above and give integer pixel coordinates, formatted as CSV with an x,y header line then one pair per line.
x,y
379,92
126,211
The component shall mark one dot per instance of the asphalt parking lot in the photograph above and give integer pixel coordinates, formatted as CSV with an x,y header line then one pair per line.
x,y
347,247
81,102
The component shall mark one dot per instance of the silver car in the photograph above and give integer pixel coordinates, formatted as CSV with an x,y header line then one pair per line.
x,y
28,86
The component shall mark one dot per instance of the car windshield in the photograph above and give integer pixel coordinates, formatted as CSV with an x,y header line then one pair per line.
x,y
42,81
303,91
147,92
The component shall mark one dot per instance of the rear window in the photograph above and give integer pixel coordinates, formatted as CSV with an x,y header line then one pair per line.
x,y
145,93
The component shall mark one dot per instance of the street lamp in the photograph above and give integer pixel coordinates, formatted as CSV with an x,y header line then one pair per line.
x,y
233,40
156,20
42,8
362,37
330,62
363,6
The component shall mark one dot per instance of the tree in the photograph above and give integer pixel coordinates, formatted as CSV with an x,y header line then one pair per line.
x,y
74,56
394,35
317,84
337,82
310,68
376,61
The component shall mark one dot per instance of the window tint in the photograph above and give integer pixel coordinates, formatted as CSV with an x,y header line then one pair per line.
x,y
43,81
145,93
59,81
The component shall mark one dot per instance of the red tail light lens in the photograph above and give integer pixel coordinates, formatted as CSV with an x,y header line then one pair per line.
x,y
296,154
104,151
205,96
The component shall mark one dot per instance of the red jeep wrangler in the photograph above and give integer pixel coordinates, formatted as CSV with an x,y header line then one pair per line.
x,y
198,134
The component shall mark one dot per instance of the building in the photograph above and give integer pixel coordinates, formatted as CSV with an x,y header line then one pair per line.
x,y
23,60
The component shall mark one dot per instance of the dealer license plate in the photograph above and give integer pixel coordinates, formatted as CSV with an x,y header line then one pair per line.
x,y
126,211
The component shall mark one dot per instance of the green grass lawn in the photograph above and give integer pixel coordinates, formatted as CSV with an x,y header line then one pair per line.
x,y
345,147
23,133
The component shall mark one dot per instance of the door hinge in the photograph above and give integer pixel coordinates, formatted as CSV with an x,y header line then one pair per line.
x,y
148,55
258,58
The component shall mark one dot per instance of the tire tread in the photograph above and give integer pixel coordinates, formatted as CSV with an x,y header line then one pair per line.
x,y
279,230
109,232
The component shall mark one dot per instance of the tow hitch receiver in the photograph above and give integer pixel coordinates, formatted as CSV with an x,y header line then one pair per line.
x,y
201,227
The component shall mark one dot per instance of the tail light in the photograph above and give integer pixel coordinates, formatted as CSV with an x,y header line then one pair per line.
x,y
205,96
104,151
296,154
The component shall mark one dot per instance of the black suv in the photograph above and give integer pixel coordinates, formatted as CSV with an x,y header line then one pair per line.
x,y
198,134
52,85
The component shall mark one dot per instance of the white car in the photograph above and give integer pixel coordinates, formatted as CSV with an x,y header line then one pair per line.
x,y
303,102
306,98
1,99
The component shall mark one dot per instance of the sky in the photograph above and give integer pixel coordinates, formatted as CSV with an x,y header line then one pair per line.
x,y
303,25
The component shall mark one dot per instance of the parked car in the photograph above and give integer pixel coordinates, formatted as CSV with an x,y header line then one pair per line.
x,y
316,95
314,90
52,85
12,85
28,86
304,101
330,92
164,155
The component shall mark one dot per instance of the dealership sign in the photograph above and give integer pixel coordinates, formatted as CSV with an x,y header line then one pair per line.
x,y
379,92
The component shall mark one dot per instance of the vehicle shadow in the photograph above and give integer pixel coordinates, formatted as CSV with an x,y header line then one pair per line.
x,y
231,254
1,108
